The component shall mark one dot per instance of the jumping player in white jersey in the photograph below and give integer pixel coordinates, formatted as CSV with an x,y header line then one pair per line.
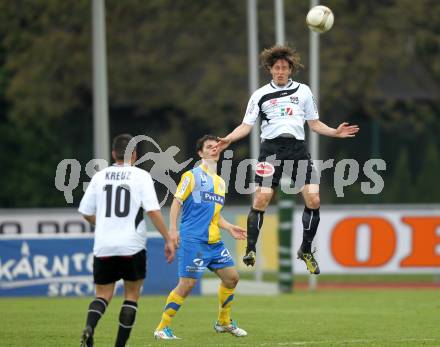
x,y
114,202
283,106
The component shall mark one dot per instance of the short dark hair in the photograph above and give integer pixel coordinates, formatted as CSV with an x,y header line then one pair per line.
x,y
120,144
200,142
270,56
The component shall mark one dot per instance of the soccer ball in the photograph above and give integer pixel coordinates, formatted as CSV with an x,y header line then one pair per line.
x,y
320,19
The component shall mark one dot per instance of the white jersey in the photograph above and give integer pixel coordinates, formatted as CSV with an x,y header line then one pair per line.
x,y
283,110
117,195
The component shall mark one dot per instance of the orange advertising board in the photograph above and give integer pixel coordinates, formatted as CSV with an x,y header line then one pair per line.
x,y
375,240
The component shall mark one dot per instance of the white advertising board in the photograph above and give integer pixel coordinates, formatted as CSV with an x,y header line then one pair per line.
x,y
374,239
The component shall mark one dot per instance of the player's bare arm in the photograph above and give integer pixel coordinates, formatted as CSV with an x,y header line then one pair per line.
x,y
342,131
238,133
90,219
176,206
157,219
236,232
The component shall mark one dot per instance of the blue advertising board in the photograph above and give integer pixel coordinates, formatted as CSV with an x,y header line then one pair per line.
x,y
62,265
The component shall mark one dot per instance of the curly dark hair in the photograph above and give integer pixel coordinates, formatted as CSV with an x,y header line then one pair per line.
x,y
269,57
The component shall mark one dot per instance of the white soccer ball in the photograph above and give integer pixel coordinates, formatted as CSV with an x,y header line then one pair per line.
x,y
320,19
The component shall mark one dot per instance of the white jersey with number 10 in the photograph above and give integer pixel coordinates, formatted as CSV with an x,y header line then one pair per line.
x,y
118,195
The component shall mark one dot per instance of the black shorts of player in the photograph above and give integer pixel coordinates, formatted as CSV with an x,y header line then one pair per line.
x,y
111,269
288,157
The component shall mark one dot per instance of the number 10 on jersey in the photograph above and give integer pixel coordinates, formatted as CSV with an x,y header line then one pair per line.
x,y
122,193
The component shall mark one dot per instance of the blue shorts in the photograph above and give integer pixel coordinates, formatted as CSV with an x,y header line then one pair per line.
x,y
195,258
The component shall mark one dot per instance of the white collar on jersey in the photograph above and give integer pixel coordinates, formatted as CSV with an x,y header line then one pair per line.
x,y
277,87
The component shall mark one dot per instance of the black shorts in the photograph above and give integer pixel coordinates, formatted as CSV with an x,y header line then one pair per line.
x,y
284,156
111,269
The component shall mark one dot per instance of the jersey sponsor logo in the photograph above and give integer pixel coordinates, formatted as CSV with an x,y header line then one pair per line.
x,y
184,186
273,101
286,111
264,169
294,100
212,197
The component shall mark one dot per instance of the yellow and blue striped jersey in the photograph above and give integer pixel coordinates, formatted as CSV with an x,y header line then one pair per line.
x,y
203,196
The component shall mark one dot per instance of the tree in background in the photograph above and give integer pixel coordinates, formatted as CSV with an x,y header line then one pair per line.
x,y
401,186
428,190
179,69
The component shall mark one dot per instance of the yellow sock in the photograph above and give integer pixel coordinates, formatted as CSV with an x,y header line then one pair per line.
x,y
174,301
225,297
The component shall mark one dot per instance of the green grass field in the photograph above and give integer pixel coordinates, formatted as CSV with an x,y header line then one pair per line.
x,y
322,318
